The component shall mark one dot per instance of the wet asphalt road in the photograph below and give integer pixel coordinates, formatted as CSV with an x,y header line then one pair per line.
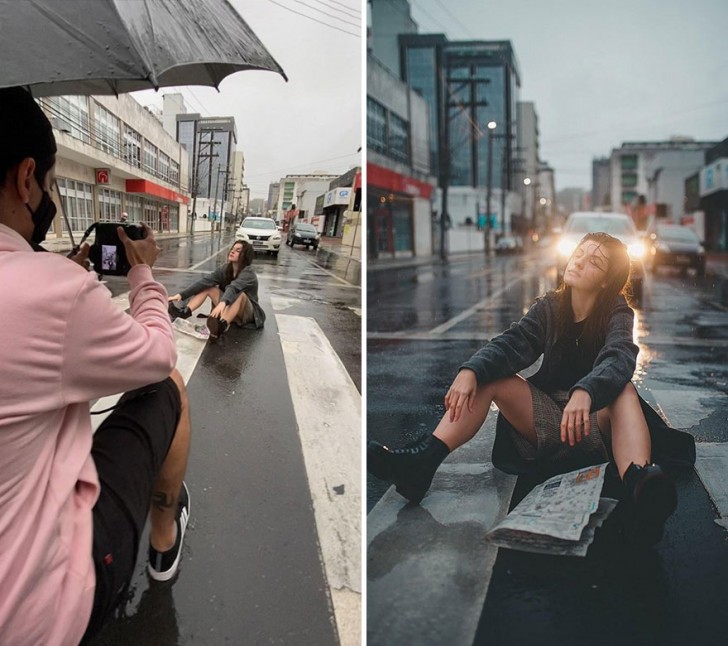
x,y
424,322
251,571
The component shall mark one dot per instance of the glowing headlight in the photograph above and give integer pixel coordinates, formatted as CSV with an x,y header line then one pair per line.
x,y
566,247
636,250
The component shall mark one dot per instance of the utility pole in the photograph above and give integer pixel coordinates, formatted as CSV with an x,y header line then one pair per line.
x,y
491,127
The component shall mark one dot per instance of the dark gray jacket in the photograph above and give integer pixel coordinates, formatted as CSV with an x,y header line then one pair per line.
x,y
246,281
613,366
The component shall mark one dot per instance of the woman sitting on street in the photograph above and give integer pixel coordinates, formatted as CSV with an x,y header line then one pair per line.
x,y
578,410
232,289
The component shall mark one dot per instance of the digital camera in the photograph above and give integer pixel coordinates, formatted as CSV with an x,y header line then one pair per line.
x,y
108,253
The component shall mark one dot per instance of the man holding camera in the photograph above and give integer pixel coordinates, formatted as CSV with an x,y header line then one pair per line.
x,y
73,504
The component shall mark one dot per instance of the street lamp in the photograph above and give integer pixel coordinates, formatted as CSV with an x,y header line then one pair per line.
x,y
491,127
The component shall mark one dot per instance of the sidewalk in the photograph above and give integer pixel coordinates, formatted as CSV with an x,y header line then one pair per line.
x,y
341,259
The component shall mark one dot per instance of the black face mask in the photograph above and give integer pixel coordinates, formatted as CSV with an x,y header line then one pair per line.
x,y
42,217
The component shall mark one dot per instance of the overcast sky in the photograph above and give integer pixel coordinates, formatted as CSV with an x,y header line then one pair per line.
x,y
604,72
313,122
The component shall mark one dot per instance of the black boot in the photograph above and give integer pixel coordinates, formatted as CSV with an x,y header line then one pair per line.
x,y
176,313
410,468
653,498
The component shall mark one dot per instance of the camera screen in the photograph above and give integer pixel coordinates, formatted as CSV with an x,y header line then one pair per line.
x,y
108,257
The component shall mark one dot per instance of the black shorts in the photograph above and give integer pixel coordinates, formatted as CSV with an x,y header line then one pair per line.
x,y
128,449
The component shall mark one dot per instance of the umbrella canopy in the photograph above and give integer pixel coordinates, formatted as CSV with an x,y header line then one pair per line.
x,y
57,47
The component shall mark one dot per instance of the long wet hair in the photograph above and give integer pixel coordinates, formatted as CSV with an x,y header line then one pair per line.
x,y
245,258
617,282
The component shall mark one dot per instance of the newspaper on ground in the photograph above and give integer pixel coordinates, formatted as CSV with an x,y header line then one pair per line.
x,y
199,331
559,516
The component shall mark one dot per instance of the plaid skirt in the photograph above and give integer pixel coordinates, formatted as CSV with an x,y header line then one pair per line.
x,y
547,412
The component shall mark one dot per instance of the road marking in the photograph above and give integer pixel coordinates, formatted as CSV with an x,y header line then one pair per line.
x,y
324,400
202,262
326,271
444,327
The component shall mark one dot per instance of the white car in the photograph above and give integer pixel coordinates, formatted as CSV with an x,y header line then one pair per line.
x,y
618,225
262,233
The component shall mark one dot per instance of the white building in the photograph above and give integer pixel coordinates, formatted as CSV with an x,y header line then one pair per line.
x,y
302,190
528,167
657,171
114,156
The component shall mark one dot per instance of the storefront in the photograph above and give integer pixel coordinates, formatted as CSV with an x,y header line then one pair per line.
x,y
714,203
398,214
336,202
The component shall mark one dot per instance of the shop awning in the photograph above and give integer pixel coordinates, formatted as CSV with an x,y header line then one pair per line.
x,y
155,190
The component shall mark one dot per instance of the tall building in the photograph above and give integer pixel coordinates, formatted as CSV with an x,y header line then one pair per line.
x,y
271,204
388,19
601,183
238,192
526,176
655,171
210,144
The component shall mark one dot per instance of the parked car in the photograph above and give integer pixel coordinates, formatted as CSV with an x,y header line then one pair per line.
x,y
677,246
509,244
620,226
304,234
262,233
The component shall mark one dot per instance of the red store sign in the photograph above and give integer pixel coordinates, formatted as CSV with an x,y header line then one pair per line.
x,y
380,177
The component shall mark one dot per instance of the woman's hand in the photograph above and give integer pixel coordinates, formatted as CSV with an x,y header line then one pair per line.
x,y
461,392
576,417
218,310
174,299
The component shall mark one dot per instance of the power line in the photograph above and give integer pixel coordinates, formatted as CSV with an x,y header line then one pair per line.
x,y
356,12
328,15
455,18
345,6
321,22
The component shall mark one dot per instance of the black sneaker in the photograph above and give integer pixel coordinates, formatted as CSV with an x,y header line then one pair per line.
x,y
163,565
176,313
217,326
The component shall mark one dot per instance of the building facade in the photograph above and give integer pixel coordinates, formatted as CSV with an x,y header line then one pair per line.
x,y
301,191
649,176
400,186
601,196
271,204
114,156
713,193
526,176
388,19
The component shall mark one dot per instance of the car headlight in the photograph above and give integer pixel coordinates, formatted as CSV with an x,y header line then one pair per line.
x,y
241,235
275,236
636,250
566,247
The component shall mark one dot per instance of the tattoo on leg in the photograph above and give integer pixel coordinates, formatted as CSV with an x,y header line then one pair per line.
x,y
162,501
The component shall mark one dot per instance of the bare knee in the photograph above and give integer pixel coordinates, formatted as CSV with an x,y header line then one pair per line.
x,y
627,396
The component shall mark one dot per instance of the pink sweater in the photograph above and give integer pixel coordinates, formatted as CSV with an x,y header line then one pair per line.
x,y
63,343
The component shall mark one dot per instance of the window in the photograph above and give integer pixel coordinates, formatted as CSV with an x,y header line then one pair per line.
x,y
629,180
174,217
132,147
398,138
134,208
163,166
150,158
173,172
78,204
376,126
629,162
628,197
70,114
109,205
108,131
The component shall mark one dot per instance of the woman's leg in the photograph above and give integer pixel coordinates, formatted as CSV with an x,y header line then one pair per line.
x,y
624,421
213,293
512,395
236,309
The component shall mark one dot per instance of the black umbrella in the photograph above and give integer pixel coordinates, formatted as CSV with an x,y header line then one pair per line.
x,y
57,47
